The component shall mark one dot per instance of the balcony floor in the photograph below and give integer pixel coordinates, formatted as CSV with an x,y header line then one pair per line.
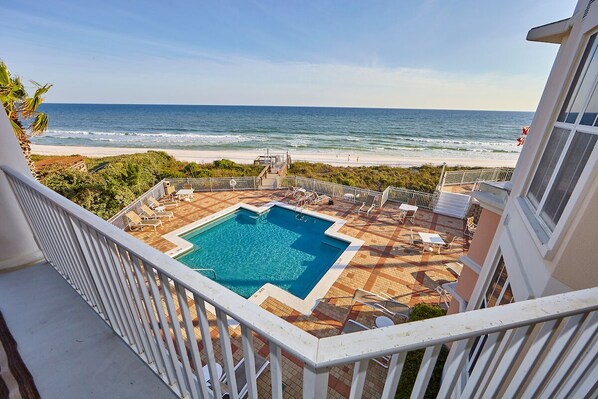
x,y
68,349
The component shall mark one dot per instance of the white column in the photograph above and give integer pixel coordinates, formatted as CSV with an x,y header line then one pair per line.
x,y
17,246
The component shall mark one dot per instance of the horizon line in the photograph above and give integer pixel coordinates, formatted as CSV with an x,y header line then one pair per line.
x,y
292,106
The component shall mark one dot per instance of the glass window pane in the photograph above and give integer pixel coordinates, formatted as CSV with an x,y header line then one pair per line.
x,y
573,164
589,115
550,158
499,279
580,85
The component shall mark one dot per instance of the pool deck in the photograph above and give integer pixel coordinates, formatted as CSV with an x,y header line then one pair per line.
x,y
386,263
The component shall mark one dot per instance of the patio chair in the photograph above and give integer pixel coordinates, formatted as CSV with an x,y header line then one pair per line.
x,y
470,227
382,303
261,364
154,203
368,205
353,326
187,186
134,221
412,202
401,217
416,242
151,214
411,216
317,198
449,240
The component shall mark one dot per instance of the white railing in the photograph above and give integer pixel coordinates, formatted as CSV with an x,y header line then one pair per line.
x,y
543,347
422,200
334,190
460,177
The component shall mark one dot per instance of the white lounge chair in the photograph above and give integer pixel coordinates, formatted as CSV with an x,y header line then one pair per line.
x,y
261,364
384,304
152,214
368,205
135,221
166,202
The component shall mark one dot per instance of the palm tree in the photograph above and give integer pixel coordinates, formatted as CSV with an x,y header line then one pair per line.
x,y
21,109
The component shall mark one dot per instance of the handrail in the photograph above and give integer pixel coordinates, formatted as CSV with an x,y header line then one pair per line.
x,y
207,270
123,279
264,171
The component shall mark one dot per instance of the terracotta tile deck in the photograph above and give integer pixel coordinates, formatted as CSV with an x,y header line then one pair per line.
x,y
386,263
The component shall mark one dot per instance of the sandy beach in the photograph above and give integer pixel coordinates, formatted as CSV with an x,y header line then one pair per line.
x,y
245,157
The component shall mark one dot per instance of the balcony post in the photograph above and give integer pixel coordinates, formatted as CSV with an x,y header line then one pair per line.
x,y
17,244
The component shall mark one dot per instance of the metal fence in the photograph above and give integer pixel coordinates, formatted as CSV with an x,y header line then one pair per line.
x,y
156,191
422,200
334,190
216,183
459,177
159,308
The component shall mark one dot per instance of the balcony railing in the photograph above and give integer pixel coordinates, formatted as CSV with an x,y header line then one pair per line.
x,y
541,347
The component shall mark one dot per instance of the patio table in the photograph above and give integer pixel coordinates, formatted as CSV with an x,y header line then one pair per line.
x,y
432,239
185,193
407,207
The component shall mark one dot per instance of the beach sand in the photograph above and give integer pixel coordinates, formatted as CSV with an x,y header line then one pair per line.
x,y
247,157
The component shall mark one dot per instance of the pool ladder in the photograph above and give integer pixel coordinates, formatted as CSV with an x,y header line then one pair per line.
x,y
207,270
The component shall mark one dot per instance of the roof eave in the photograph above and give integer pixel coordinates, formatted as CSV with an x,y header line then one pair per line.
x,y
554,32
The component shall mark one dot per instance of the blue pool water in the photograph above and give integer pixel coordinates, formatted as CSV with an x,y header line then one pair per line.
x,y
279,247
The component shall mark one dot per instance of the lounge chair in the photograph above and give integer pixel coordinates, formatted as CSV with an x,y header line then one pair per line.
x,y
151,214
353,326
135,221
368,205
384,304
261,364
154,203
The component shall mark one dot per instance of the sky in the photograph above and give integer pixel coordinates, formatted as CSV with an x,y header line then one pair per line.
x,y
439,54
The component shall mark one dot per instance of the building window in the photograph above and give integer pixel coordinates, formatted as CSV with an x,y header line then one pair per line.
x,y
570,144
498,293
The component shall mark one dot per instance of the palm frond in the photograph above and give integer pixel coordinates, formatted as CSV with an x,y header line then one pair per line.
x,y
18,129
41,90
29,106
4,74
40,124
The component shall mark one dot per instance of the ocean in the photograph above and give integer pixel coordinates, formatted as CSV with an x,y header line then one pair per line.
x,y
340,131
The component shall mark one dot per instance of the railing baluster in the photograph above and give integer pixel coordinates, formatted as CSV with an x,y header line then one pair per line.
x,y
358,380
395,369
151,314
227,354
206,339
488,353
249,355
453,370
425,371
105,284
577,345
546,331
119,266
315,382
276,370
178,337
172,356
146,334
584,366
192,340
557,349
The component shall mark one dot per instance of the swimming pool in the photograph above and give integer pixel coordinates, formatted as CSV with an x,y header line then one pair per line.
x,y
279,246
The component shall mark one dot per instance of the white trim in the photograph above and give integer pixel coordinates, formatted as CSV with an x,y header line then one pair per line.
x,y
312,299
471,264
451,289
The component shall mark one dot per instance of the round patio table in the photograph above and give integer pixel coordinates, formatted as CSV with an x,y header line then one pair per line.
x,y
383,321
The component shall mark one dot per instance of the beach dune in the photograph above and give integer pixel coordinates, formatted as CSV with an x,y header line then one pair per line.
x,y
246,157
